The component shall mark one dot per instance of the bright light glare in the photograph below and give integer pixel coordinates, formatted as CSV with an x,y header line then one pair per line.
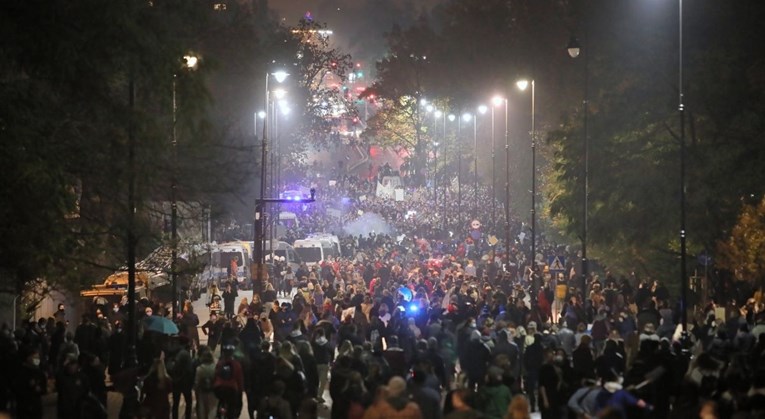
x,y
435,143
429,108
497,100
467,117
280,93
284,107
438,114
190,61
522,84
482,109
262,114
452,117
423,102
280,75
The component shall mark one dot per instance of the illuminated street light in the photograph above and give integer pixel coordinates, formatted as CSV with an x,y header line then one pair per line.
x,y
262,114
451,117
497,100
438,113
467,117
260,204
482,109
429,108
523,85
280,75
573,47
189,63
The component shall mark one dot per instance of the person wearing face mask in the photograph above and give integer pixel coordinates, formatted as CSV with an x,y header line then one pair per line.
x,y
552,386
30,385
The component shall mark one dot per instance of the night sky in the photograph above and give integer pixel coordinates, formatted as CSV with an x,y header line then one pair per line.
x,y
358,25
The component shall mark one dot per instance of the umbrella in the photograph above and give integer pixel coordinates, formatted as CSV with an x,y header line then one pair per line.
x,y
160,324
406,292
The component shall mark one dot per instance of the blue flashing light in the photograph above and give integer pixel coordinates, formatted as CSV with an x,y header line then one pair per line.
x,y
413,308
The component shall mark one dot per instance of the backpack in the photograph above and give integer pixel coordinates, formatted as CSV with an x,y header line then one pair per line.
x,y
206,382
270,411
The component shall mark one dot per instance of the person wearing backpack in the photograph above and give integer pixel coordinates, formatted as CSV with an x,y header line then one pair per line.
x,y
229,382
181,370
203,384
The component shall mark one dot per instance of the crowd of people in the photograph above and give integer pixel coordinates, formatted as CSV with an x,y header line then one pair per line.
x,y
416,324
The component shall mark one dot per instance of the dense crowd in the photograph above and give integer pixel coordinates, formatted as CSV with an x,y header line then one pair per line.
x,y
412,324
426,338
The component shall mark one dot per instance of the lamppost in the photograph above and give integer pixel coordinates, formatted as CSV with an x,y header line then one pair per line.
x,y
681,112
465,117
276,164
258,115
574,49
189,63
482,109
496,101
523,85
258,251
448,184
436,114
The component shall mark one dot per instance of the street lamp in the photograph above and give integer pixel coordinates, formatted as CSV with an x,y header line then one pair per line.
x,y
447,187
523,85
496,101
259,236
681,112
436,114
574,49
189,63
466,117
482,109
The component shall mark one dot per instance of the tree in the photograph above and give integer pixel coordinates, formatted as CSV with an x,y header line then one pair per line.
x,y
743,253
634,134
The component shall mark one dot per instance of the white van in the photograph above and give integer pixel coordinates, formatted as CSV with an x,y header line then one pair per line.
x,y
221,257
331,238
314,251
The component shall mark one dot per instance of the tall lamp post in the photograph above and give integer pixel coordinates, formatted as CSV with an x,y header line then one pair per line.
x,y
448,185
258,251
681,112
523,85
507,183
466,117
496,101
189,63
482,109
436,114
574,49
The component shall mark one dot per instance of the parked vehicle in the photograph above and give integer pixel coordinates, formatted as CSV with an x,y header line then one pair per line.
x,y
317,248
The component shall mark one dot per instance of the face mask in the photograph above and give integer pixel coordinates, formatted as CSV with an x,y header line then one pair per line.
x,y
36,362
473,324
558,359
116,309
148,313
